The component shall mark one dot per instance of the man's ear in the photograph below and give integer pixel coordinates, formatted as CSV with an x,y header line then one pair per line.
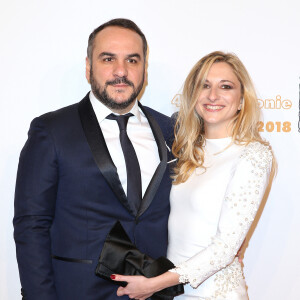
x,y
87,69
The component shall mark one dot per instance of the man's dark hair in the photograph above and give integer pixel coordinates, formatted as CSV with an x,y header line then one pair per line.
x,y
123,23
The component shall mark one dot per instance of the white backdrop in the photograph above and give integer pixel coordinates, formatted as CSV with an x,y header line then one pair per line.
x,y
42,59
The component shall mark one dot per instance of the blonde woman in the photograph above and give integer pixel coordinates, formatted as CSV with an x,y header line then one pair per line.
x,y
223,170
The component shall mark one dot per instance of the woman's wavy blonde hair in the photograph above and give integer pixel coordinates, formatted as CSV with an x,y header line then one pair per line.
x,y
189,128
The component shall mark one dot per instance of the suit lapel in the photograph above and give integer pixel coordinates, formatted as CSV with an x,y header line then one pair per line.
x,y
100,151
160,170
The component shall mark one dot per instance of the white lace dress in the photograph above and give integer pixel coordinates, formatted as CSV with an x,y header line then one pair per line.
x,y
210,216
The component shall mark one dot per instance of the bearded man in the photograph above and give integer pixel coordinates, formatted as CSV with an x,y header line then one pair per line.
x,y
88,165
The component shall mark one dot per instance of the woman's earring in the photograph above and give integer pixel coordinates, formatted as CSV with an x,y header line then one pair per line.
x,y
241,104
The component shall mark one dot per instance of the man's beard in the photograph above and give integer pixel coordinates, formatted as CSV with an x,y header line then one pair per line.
x,y
106,99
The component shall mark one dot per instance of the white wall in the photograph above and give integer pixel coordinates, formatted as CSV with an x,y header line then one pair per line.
x,y
42,59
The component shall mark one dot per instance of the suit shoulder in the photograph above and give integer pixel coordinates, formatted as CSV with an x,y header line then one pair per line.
x,y
59,113
157,114
58,118
162,119
166,124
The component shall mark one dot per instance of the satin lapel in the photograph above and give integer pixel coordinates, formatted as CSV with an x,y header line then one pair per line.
x,y
160,170
100,152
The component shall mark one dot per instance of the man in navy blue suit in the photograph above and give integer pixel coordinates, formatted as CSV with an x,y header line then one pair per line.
x,y
72,185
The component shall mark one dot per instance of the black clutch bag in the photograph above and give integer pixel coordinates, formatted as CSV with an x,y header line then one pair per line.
x,y
120,256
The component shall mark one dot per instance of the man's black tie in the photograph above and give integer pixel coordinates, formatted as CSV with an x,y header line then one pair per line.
x,y
134,183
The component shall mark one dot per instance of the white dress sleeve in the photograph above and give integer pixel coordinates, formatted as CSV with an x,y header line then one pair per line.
x,y
241,201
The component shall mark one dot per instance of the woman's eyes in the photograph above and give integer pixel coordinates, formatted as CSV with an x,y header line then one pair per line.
x,y
223,86
226,86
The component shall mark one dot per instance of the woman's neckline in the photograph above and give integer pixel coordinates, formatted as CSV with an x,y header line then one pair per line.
x,y
216,145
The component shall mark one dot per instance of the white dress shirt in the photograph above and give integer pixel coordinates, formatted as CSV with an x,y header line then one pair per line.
x,y
141,136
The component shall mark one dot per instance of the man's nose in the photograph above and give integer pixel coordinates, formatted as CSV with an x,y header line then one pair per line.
x,y
120,69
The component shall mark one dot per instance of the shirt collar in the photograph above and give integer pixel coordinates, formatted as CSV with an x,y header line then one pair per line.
x,y
103,111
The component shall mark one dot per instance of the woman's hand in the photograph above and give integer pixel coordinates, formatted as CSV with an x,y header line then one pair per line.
x,y
138,287
141,288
